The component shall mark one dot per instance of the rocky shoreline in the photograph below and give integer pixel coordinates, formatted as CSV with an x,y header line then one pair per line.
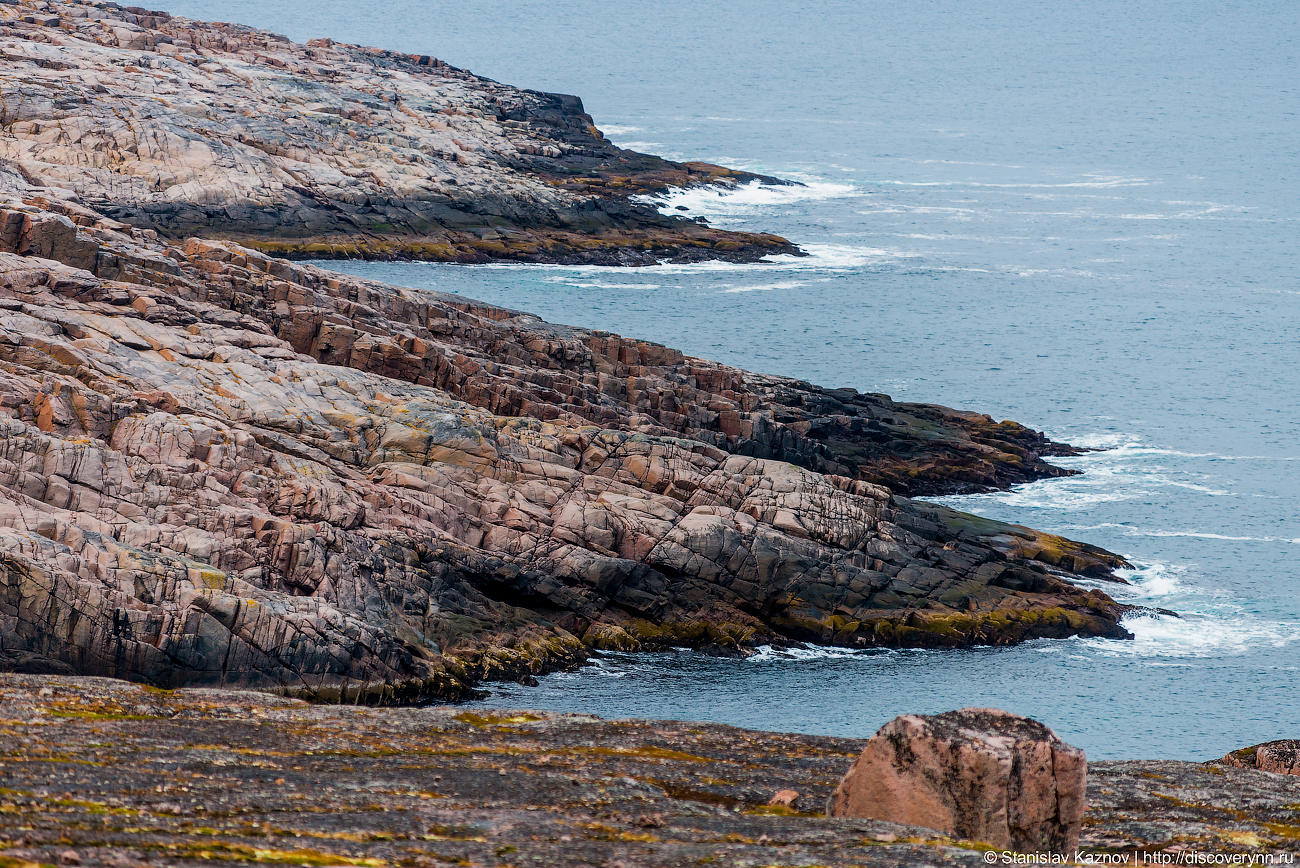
x,y
99,772
328,150
228,469
221,468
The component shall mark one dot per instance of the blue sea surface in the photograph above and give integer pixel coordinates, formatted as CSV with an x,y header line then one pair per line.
x,y
1082,217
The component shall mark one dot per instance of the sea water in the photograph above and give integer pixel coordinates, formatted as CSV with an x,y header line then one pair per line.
x,y
1082,217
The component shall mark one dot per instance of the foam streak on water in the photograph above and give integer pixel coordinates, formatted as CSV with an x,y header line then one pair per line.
x,y
732,204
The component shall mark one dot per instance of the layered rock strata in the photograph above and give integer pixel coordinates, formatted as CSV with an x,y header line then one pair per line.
x,y
106,773
327,149
185,128
224,468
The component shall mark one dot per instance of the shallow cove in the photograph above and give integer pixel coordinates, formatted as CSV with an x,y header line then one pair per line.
x,y
1083,220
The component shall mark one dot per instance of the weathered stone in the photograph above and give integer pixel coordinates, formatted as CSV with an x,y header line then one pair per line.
x,y
784,798
978,773
132,776
328,150
219,467
343,490
1279,757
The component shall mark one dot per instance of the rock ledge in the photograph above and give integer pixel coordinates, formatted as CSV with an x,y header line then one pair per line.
x,y
227,469
329,150
124,776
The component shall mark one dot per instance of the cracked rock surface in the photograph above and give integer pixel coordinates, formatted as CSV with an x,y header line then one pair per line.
x,y
119,775
978,773
326,149
223,468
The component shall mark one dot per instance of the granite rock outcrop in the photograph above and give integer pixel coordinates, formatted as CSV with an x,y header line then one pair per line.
x,y
197,776
223,468
1279,757
978,773
330,150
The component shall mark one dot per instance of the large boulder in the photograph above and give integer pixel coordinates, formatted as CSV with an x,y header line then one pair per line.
x,y
1280,757
978,773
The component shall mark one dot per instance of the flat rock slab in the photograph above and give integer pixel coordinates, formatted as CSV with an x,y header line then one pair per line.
x,y
1168,806
120,775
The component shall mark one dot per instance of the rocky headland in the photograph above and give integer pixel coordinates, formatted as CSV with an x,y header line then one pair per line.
x,y
99,772
224,468
329,150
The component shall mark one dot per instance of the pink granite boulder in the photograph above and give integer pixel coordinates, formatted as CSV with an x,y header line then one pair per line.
x,y
978,773
1279,757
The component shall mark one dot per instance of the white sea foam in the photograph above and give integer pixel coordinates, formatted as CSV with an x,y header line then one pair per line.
x,y
983,239
1118,447
601,668
1153,580
959,163
1066,494
963,214
1207,535
600,284
1130,530
1210,624
717,201
785,284
1203,489
812,653
618,130
1103,440
1194,635
1121,446
820,257
839,256
1094,181
1121,473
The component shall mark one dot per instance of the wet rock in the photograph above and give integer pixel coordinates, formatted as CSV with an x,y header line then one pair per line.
x,y
981,774
33,664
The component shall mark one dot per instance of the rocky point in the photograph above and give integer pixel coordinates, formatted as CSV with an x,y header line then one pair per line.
x,y
219,467
330,150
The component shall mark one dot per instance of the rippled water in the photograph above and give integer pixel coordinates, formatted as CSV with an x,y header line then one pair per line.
x,y
1084,219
